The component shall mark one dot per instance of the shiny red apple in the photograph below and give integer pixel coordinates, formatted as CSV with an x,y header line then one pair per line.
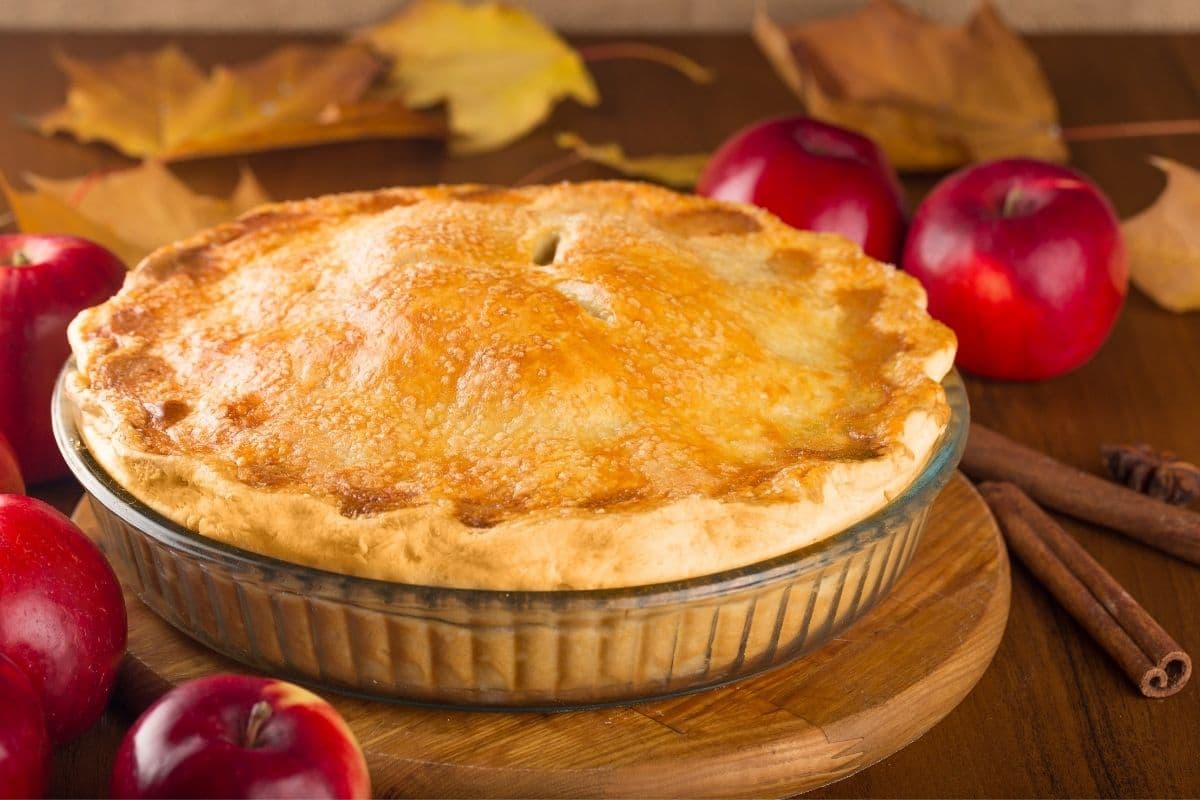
x,y
24,745
10,472
62,614
44,282
1024,260
813,176
239,736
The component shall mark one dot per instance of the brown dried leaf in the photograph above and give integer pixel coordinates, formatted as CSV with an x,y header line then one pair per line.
x,y
1164,241
498,69
131,211
933,96
680,171
162,105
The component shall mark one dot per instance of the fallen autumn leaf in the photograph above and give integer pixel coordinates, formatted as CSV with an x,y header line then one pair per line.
x,y
679,171
1164,242
933,96
161,104
497,68
130,211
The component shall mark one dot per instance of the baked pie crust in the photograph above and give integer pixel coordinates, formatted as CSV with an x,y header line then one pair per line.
x,y
577,386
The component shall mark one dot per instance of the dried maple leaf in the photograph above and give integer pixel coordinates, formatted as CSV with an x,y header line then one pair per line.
x,y
933,96
498,70
680,171
1164,242
128,101
160,104
130,211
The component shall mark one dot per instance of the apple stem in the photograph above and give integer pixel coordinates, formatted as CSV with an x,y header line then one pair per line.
x,y
1012,202
19,259
260,712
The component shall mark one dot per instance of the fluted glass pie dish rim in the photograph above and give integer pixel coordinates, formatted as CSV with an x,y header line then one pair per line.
x,y
668,597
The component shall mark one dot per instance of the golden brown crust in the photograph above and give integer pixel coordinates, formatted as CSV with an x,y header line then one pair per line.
x,y
455,364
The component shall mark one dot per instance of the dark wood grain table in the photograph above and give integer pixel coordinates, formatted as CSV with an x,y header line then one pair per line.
x,y
1052,716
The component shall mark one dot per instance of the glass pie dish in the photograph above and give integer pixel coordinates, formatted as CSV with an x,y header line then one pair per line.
x,y
521,649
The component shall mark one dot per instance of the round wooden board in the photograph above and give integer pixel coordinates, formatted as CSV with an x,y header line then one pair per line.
x,y
860,698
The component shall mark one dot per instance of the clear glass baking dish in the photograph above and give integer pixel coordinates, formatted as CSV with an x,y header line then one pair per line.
x,y
534,650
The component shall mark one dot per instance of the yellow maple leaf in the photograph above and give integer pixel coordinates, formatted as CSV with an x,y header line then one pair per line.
x,y
933,96
498,70
680,171
130,211
128,101
1164,242
160,104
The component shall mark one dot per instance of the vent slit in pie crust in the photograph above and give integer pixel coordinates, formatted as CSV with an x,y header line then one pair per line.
x,y
575,386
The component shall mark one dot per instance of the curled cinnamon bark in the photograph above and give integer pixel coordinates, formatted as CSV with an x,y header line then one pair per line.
x,y
1145,652
992,457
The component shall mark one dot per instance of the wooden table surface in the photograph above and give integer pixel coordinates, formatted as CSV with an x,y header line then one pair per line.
x,y
1052,716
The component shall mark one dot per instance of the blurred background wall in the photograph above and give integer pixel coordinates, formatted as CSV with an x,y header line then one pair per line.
x,y
574,15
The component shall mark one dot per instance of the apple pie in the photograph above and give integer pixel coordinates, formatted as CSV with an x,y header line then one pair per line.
x,y
577,386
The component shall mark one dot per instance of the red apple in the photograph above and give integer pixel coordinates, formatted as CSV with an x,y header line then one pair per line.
x,y
10,472
62,615
1024,260
240,736
44,282
24,746
813,176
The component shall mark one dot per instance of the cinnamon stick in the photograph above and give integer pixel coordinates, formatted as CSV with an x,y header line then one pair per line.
x,y
992,457
1145,652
